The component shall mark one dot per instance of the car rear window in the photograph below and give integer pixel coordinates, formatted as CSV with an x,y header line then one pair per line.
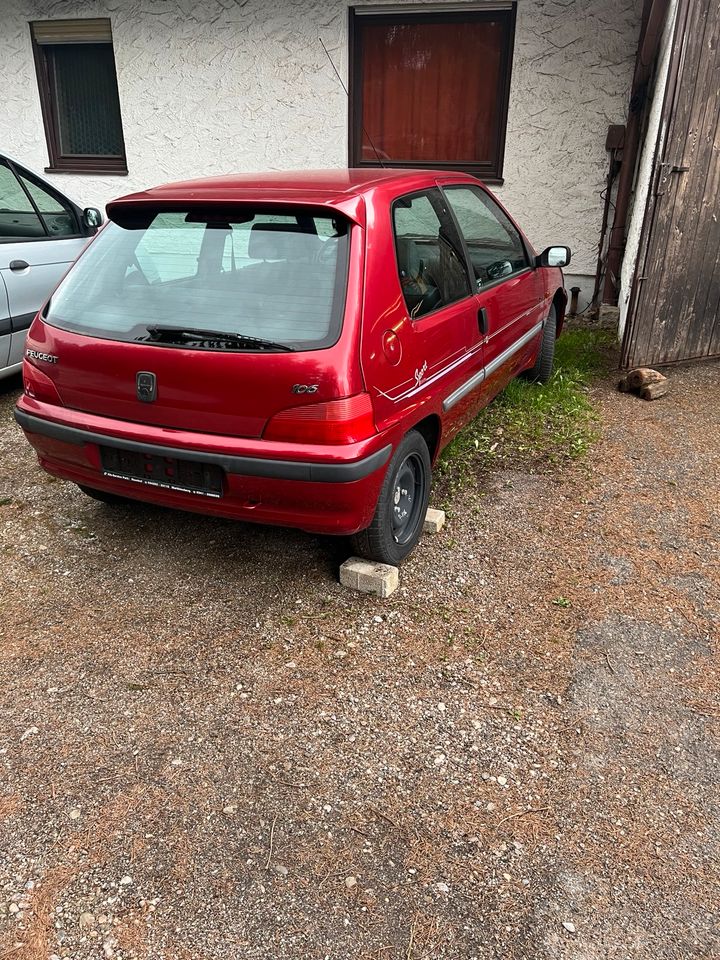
x,y
275,278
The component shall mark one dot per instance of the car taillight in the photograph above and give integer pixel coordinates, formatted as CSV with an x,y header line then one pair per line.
x,y
336,421
38,385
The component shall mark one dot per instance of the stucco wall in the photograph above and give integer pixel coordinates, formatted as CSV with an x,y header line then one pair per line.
x,y
221,85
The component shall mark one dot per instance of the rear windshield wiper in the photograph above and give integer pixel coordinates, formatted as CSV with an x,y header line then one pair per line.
x,y
159,334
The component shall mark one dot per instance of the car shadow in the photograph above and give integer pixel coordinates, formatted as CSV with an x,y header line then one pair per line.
x,y
212,546
229,548
11,384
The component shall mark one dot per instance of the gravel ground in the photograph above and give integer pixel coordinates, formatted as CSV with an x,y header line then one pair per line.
x,y
211,750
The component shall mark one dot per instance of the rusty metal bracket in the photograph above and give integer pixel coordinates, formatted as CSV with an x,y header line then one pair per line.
x,y
663,175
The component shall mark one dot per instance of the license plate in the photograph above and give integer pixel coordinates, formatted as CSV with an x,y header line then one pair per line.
x,y
168,473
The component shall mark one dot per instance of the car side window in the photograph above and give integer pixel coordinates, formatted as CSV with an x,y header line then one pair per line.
x,y
495,247
18,220
59,217
429,254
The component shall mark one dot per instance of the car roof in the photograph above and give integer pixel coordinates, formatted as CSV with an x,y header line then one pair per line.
x,y
321,185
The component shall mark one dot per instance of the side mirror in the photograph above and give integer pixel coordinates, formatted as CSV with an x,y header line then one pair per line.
x,y
92,219
554,257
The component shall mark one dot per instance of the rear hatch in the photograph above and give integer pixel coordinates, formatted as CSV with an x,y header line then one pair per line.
x,y
208,319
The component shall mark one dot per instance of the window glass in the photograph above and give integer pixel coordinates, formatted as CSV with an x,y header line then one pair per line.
x,y
237,240
88,109
495,247
431,266
168,251
59,218
414,71
236,246
279,278
325,227
17,217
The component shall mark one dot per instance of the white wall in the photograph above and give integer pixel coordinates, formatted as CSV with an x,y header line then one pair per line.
x,y
219,86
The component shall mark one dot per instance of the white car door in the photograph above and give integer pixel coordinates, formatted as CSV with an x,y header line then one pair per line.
x,y
40,236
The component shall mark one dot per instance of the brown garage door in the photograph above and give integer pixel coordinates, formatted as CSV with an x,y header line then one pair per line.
x,y
675,307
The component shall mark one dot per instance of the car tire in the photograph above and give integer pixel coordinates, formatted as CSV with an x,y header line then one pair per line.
x,y
543,369
400,512
110,498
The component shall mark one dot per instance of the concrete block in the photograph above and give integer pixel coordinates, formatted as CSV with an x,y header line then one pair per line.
x,y
608,316
368,577
434,521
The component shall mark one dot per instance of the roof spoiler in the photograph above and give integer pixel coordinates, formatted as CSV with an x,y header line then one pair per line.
x,y
139,207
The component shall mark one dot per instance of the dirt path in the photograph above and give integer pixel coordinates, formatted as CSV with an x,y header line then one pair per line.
x,y
210,750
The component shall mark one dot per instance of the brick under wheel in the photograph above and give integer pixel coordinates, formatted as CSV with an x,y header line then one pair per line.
x,y
398,521
110,498
543,369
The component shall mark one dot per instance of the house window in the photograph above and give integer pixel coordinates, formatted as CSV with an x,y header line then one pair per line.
x,y
431,89
79,96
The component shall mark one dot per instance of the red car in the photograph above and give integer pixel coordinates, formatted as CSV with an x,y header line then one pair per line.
x,y
289,348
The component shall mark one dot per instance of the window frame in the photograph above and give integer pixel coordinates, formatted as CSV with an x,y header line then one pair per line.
x,y
20,174
488,171
58,161
478,188
461,251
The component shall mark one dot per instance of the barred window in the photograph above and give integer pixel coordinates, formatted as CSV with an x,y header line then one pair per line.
x,y
79,95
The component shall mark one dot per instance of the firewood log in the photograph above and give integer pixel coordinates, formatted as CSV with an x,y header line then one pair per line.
x,y
642,376
654,390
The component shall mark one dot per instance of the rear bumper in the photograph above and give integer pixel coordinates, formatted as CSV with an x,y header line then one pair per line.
x,y
309,470
331,489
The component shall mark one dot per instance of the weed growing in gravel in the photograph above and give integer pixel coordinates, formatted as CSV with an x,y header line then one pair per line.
x,y
535,425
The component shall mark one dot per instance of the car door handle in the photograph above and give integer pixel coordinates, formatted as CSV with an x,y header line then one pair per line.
x,y
482,321
19,264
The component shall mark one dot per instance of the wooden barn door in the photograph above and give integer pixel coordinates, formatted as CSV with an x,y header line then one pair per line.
x,y
675,306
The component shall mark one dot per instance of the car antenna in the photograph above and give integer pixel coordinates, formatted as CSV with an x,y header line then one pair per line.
x,y
347,94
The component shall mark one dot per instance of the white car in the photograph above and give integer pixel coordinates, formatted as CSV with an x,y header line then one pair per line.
x,y
41,233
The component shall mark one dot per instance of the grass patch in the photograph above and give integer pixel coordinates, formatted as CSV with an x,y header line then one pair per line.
x,y
534,425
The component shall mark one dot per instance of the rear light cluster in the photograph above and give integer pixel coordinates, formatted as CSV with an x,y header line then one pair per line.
x,y
38,385
336,421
